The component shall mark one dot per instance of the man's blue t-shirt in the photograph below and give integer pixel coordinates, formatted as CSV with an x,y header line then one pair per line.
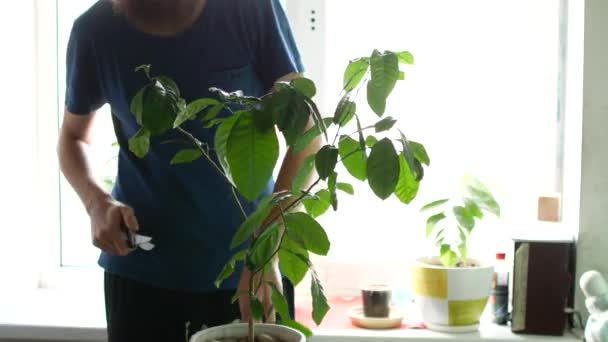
x,y
187,209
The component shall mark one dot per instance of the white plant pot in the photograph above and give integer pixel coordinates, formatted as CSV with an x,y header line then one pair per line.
x,y
239,330
451,299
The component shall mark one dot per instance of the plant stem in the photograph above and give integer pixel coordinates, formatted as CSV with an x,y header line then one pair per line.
x,y
250,327
216,167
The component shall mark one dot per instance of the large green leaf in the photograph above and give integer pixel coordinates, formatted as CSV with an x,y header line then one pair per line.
x,y
383,168
326,160
230,267
464,217
139,144
376,99
192,110
252,156
304,228
407,187
186,156
385,73
253,222
345,111
292,266
304,86
264,247
353,158
159,110
221,140
385,124
319,205
303,174
431,223
354,73
319,301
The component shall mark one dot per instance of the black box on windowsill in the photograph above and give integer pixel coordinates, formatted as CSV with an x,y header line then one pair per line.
x,y
543,281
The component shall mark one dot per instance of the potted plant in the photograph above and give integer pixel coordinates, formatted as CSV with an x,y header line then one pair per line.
x,y
452,289
245,151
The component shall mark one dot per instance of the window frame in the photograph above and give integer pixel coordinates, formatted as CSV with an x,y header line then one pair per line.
x,y
312,45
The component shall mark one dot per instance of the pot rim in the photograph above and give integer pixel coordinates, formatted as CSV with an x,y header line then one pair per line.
x,y
433,262
238,326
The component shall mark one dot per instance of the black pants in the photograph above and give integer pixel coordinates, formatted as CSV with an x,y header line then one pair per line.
x,y
139,312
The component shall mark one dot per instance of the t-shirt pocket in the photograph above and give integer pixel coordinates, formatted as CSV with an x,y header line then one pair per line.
x,y
242,78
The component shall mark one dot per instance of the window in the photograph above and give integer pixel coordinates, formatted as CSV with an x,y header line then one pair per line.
x,y
483,96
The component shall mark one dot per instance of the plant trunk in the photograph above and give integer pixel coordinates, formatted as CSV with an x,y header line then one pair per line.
x,y
251,328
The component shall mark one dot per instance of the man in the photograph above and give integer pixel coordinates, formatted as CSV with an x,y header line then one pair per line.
x,y
229,44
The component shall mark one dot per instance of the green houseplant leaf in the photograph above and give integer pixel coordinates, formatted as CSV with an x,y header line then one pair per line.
x,y
345,111
407,186
385,73
464,217
303,174
316,207
186,156
251,156
221,141
139,144
385,124
253,222
383,168
432,221
230,267
326,160
159,110
193,109
319,301
304,228
448,257
353,158
263,248
292,266
304,86
354,73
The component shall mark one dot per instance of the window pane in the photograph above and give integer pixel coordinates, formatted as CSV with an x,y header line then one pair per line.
x,y
482,97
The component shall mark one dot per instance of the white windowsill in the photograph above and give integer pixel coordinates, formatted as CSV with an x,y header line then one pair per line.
x,y
35,315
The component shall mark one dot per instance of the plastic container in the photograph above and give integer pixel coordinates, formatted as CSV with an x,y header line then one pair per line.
x,y
500,291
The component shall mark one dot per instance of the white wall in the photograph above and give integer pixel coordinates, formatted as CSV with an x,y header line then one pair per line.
x,y
593,234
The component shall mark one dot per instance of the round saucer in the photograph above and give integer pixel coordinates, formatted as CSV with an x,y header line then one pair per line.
x,y
393,320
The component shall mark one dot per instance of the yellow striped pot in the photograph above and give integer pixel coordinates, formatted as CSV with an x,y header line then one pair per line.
x,y
451,299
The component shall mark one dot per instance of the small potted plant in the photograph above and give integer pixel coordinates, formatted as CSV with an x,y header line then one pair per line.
x,y
452,289
245,151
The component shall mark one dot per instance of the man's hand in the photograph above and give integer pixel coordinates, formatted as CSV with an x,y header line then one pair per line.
x,y
108,217
263,294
